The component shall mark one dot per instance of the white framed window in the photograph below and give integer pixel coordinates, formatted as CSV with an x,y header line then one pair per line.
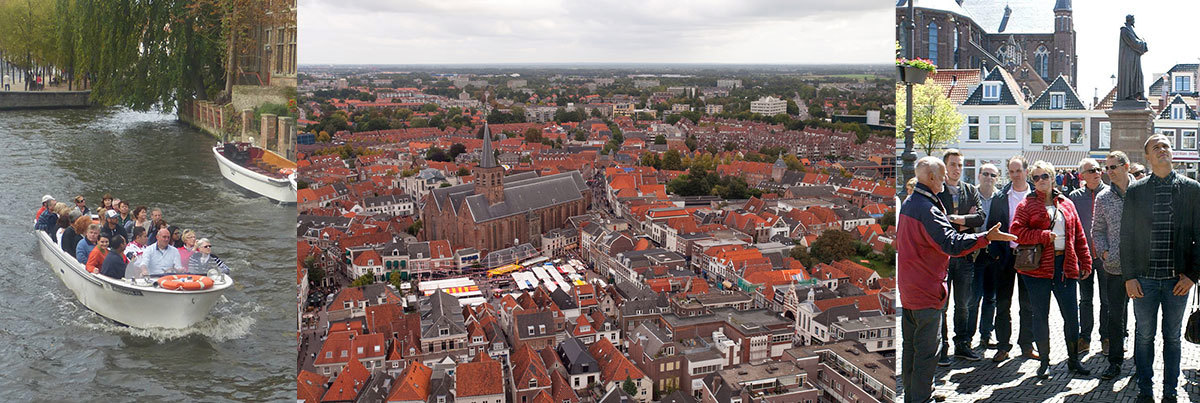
x,y
1037,132
991,91
1057,100
1177,111
1189,140
972,128
1056,132
1076,132
1105,134
1010,128
1183,83
993,128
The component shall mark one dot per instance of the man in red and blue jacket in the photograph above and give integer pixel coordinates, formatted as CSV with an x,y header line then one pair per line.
x,y
925,242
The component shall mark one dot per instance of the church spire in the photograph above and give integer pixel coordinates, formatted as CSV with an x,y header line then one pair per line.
x,y
488,159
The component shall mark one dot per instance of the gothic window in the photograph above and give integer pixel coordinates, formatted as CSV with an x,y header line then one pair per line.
x,y
933,43
956,47
1041,61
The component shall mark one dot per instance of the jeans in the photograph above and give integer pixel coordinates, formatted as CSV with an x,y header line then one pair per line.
x,y
1087,312
1039,297
1006,279
961,273
1115,304
920,352
985,292
1157,294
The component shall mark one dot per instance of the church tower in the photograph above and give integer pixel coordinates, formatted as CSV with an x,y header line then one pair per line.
x,y
489,177
778,169
1063,55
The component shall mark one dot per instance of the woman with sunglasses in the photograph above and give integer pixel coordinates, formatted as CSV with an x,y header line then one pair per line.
x,y
203,260
1047,217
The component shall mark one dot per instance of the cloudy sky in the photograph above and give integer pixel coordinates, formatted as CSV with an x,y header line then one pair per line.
x,y
591,31
1163,24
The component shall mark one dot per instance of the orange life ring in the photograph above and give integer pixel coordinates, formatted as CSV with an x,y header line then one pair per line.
x,y
185,282
286,171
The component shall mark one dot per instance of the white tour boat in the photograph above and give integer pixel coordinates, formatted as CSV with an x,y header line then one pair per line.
x,y
258,169
137,302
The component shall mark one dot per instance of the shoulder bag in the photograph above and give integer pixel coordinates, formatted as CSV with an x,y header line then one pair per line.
x,y
1192,332
1029,257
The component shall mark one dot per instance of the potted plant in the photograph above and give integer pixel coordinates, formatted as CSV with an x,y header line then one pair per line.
x,y
914,71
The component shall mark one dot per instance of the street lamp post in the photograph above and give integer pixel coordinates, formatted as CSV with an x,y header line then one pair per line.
x,y
906,168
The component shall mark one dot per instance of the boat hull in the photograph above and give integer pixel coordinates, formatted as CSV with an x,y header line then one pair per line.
x,y
281,190
132,305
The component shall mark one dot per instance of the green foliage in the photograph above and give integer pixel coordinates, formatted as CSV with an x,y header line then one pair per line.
x,y
415,228
692,143
672,160
436,154
888,220
698,182
363,280
462,172
315,272
935,120
799,252
660,139
394,279
533,135
455,150
629,387
833,245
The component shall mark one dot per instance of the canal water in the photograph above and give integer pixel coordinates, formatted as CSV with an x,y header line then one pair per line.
x,y
53,348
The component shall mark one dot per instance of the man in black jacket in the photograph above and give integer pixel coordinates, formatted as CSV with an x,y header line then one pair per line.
x,y
1159,252
1004,206
961,200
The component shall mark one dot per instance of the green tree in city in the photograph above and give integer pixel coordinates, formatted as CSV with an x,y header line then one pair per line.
x,y
888,220
394,279
691,143
629,387
362,280
936,123
671,160
660,139
533,135
833,245
800,253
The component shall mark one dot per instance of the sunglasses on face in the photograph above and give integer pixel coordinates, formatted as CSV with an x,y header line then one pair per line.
x,y
1114,167
1040,177
1093,170
1138,173
989,174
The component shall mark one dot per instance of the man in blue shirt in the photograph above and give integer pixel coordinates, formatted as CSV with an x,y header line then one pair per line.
x,y
161,258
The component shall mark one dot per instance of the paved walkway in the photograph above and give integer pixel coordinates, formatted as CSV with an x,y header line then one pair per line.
x,y
1014,380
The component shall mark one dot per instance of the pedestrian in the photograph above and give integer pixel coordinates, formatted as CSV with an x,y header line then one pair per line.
x,y
1004,208
1084,198
983,300
1137,170
1106,237
925,241
1046,217
1158,245
961,201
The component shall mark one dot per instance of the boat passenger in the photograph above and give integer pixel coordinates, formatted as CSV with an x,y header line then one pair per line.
x,y
64,222
138,220
156,221
107,202
188,248
123,209
115,262
45,199
112,225
70,238
96,257
204,260
85,246
160,257
137,246
81,207
47,218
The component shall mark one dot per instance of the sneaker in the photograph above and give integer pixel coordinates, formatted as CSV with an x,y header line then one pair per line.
x,y
966,354
1112,372
1029,354
944,360
1000,356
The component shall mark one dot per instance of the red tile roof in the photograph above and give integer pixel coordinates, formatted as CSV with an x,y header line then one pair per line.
x,y
310,386
412,384
480,377
348,383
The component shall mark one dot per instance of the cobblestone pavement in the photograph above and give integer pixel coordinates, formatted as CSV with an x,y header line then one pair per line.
x,y
1014,380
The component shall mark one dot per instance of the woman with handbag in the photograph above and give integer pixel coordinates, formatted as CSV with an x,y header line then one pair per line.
x,y
1052,255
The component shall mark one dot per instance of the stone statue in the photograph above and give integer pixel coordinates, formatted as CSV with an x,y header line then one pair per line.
x,y
1129,64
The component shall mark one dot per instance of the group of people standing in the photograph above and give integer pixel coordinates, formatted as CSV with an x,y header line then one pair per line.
x,y
1136,238
106,242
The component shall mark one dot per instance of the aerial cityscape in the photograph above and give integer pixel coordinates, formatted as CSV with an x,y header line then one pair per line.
x,y
596,233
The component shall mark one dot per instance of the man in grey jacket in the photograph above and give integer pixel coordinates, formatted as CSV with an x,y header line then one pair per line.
x,y
1084,199
1106,237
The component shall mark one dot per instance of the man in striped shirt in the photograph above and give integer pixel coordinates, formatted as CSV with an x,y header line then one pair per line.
x,y
1158,252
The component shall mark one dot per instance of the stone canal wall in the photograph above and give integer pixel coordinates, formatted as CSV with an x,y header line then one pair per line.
x,y
43,99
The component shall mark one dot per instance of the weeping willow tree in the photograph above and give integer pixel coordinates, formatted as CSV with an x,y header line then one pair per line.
x,y
140,54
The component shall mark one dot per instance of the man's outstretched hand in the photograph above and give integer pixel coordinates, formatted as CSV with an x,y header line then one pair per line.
x,y
994,234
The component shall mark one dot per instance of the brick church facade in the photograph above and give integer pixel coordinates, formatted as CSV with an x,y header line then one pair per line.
x,y
497,211
1035,41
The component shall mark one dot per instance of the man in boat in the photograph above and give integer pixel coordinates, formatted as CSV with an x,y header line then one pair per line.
x,y
161,258
115,262
46,219
81,207
155,218
112,225
137,246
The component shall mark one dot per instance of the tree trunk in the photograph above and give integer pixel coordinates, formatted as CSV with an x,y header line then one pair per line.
x,y
230,64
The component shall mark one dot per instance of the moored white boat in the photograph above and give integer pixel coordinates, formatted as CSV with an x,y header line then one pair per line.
x,y
138,303
278,186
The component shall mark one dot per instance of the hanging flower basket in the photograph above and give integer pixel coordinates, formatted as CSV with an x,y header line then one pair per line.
x,y
914,71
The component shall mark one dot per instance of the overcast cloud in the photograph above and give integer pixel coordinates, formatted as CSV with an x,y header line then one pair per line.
x,y
590,31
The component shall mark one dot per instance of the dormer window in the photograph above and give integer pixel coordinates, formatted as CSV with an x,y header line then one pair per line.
x,y
542,329
533,382
443,332
1183,83
1057,100
1177,111
991,91
477,339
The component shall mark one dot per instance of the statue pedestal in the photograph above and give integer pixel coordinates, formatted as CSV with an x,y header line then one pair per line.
x,y
1131,126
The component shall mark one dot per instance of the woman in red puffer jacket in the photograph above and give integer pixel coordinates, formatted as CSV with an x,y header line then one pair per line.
x,y
1048,218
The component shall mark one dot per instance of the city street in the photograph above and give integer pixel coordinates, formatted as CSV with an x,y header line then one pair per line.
x,y
1014,380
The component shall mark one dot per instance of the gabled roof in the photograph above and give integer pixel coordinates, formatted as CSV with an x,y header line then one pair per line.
x,y
348,383
1189,113
1060,84
310,386
1156,88
957,83
1009,93
480,377
413,383
1011,16
614,367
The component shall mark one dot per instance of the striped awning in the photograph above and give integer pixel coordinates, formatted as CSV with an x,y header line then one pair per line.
x,y
1060,159
456,290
